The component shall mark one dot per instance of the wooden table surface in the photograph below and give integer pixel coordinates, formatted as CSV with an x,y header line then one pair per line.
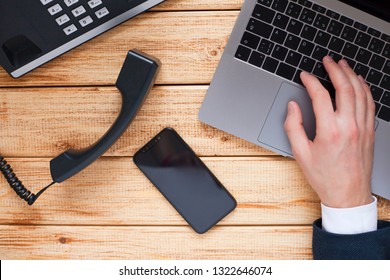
x,y
110,210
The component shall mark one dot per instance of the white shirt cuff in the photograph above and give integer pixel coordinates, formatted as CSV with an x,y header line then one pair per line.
x,y
353,220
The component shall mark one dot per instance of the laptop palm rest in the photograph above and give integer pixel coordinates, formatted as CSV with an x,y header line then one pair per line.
x,y
273,134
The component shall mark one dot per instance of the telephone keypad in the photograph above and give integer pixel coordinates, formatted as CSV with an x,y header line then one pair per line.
x,y
70,13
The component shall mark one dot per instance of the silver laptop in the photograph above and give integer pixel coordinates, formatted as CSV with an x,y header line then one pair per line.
x,y
272,41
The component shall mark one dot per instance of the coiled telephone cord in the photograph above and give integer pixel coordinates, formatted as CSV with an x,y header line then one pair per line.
x,y
17,185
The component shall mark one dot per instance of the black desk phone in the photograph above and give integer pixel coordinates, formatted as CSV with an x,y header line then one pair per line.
x,y
135,80
33,32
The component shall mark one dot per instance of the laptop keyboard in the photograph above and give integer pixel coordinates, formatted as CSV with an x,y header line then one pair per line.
x,y
285,37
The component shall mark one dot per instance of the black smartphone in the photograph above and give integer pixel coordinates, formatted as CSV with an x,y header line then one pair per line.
x,y
184,180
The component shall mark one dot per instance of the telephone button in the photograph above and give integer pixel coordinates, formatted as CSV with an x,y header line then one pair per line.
x,y
55,9
45,2
70,29
94,3
85,21
62,19
78,11
102,12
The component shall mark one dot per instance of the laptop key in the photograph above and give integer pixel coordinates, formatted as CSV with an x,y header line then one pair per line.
x,y
256,59
332,14
293,10
279,52
307,16
385,38
376,45
319,70
335,27
376,93
260,28
306,47
305,3
363,56
286,71
265,2
386,98
362,39
349,50
386,51
319,53
280,5
263,13
386,82
278,36
250,40
374,77
321,22
361,70
349,33
360,26
346,20
374,32
336,44
335,56
292,42
319,9
297,77
266,46
377,62
243,53
322,38
384,113
293,58
270,64
386,69
308,32
307,64
280,21
295,27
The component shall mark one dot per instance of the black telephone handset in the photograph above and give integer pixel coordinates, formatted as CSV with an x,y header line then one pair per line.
x,y
135,80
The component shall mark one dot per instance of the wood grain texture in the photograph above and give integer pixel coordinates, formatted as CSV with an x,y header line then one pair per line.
x,y
55,119
189,45
112,191
110,210
192,5
130,243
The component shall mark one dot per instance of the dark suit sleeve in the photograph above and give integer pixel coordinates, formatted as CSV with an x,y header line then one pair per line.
x,y
373,245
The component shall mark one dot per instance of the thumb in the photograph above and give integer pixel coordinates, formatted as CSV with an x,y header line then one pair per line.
x,y
295,132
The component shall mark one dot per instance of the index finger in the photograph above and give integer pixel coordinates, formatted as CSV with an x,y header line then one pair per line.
x,y
345,94
320,98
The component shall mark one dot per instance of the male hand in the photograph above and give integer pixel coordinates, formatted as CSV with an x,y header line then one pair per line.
x,y
338,162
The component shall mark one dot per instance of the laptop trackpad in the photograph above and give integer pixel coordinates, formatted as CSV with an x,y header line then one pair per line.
x,y
273,133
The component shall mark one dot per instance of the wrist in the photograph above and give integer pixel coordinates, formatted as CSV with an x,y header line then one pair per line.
x,y
348,201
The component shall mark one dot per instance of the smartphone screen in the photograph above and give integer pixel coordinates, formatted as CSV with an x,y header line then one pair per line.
x,y
185,181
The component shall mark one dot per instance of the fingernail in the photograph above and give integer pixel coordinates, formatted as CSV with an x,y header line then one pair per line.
x,y
343,63
290,107
328,58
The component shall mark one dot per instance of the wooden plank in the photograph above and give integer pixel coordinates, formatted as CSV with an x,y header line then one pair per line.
x,y
189,45
112,191
191,5
44,122
168,243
